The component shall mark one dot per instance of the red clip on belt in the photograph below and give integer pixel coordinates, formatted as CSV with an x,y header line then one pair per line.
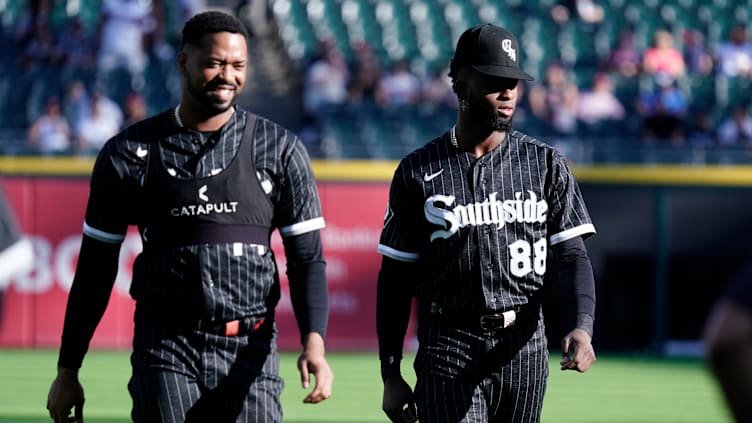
x,y
232,328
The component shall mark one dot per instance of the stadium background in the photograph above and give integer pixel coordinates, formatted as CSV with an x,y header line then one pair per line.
x,y
672,220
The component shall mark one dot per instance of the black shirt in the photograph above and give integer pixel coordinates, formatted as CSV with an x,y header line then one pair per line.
x,y
227,280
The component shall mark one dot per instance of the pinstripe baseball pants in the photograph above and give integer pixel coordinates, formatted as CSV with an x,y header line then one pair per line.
x,y
202,377
471,376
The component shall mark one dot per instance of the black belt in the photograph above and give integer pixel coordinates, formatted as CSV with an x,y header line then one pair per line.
x,y
236,327
486,322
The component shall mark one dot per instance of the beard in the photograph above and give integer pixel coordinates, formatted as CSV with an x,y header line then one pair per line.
x,y
485,116
210,105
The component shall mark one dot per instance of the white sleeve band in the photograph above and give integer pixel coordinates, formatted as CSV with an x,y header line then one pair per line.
x,y
396,254
571,233
102,235
303,227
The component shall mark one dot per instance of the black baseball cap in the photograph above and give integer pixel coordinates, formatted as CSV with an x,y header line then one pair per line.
x,y
491,50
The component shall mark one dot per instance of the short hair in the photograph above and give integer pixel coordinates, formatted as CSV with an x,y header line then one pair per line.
x,y
210,22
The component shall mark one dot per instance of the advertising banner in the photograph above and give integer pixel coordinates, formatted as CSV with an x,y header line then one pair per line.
x,y
50,211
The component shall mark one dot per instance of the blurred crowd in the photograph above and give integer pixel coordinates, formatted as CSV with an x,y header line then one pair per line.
x,y
680,91
94,68
663,95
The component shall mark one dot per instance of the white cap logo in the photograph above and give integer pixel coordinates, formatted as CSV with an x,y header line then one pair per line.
x,y
506,45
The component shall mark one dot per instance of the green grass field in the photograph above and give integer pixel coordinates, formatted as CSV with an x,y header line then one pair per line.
x,y
618,389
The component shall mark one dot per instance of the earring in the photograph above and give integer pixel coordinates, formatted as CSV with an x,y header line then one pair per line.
x,y
464,105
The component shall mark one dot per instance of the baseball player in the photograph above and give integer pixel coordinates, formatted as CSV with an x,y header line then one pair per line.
x,y
471,219
206,182
728,337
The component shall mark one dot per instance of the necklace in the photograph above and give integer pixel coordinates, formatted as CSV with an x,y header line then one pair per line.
x,y
452,136
177,116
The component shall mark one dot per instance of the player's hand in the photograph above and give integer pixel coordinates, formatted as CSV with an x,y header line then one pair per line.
x,y
577,351
312,361
398,402
66,394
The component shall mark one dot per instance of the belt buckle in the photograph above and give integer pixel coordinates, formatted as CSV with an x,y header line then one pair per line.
x,y
496,321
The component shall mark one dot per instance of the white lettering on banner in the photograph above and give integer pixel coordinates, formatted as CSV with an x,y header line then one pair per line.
x,y
58,265
64,261
340,302
357,238
337,238
39,277
337,269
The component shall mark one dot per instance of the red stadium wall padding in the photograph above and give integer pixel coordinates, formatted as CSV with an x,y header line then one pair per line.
x,y
50,211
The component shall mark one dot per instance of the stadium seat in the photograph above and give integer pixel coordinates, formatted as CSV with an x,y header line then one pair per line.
x,y
701,89
578,46
731,91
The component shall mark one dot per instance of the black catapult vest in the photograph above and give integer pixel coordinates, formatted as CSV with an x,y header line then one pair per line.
x,y
228,207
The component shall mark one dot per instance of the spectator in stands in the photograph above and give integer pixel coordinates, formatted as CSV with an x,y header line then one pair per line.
x,y
554,101
50,133
735,54
76,103
325,89
398,89
364,81
599,108
102,122
625,59
663,110
75,50
39,52
437,98
158,44
190,8
36,13
697,55
736,129
663,56
587,11
701,129
124,26
135,109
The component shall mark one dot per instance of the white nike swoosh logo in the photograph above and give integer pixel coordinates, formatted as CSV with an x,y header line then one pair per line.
x,y
428,177
140,152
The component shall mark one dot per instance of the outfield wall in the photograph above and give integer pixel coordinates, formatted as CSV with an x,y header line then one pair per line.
x,y
669,239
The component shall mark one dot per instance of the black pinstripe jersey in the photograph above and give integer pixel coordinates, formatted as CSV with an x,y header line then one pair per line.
x,y
480,228
228,280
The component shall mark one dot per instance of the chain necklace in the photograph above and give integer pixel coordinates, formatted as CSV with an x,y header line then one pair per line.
x,y
453,137
177,116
